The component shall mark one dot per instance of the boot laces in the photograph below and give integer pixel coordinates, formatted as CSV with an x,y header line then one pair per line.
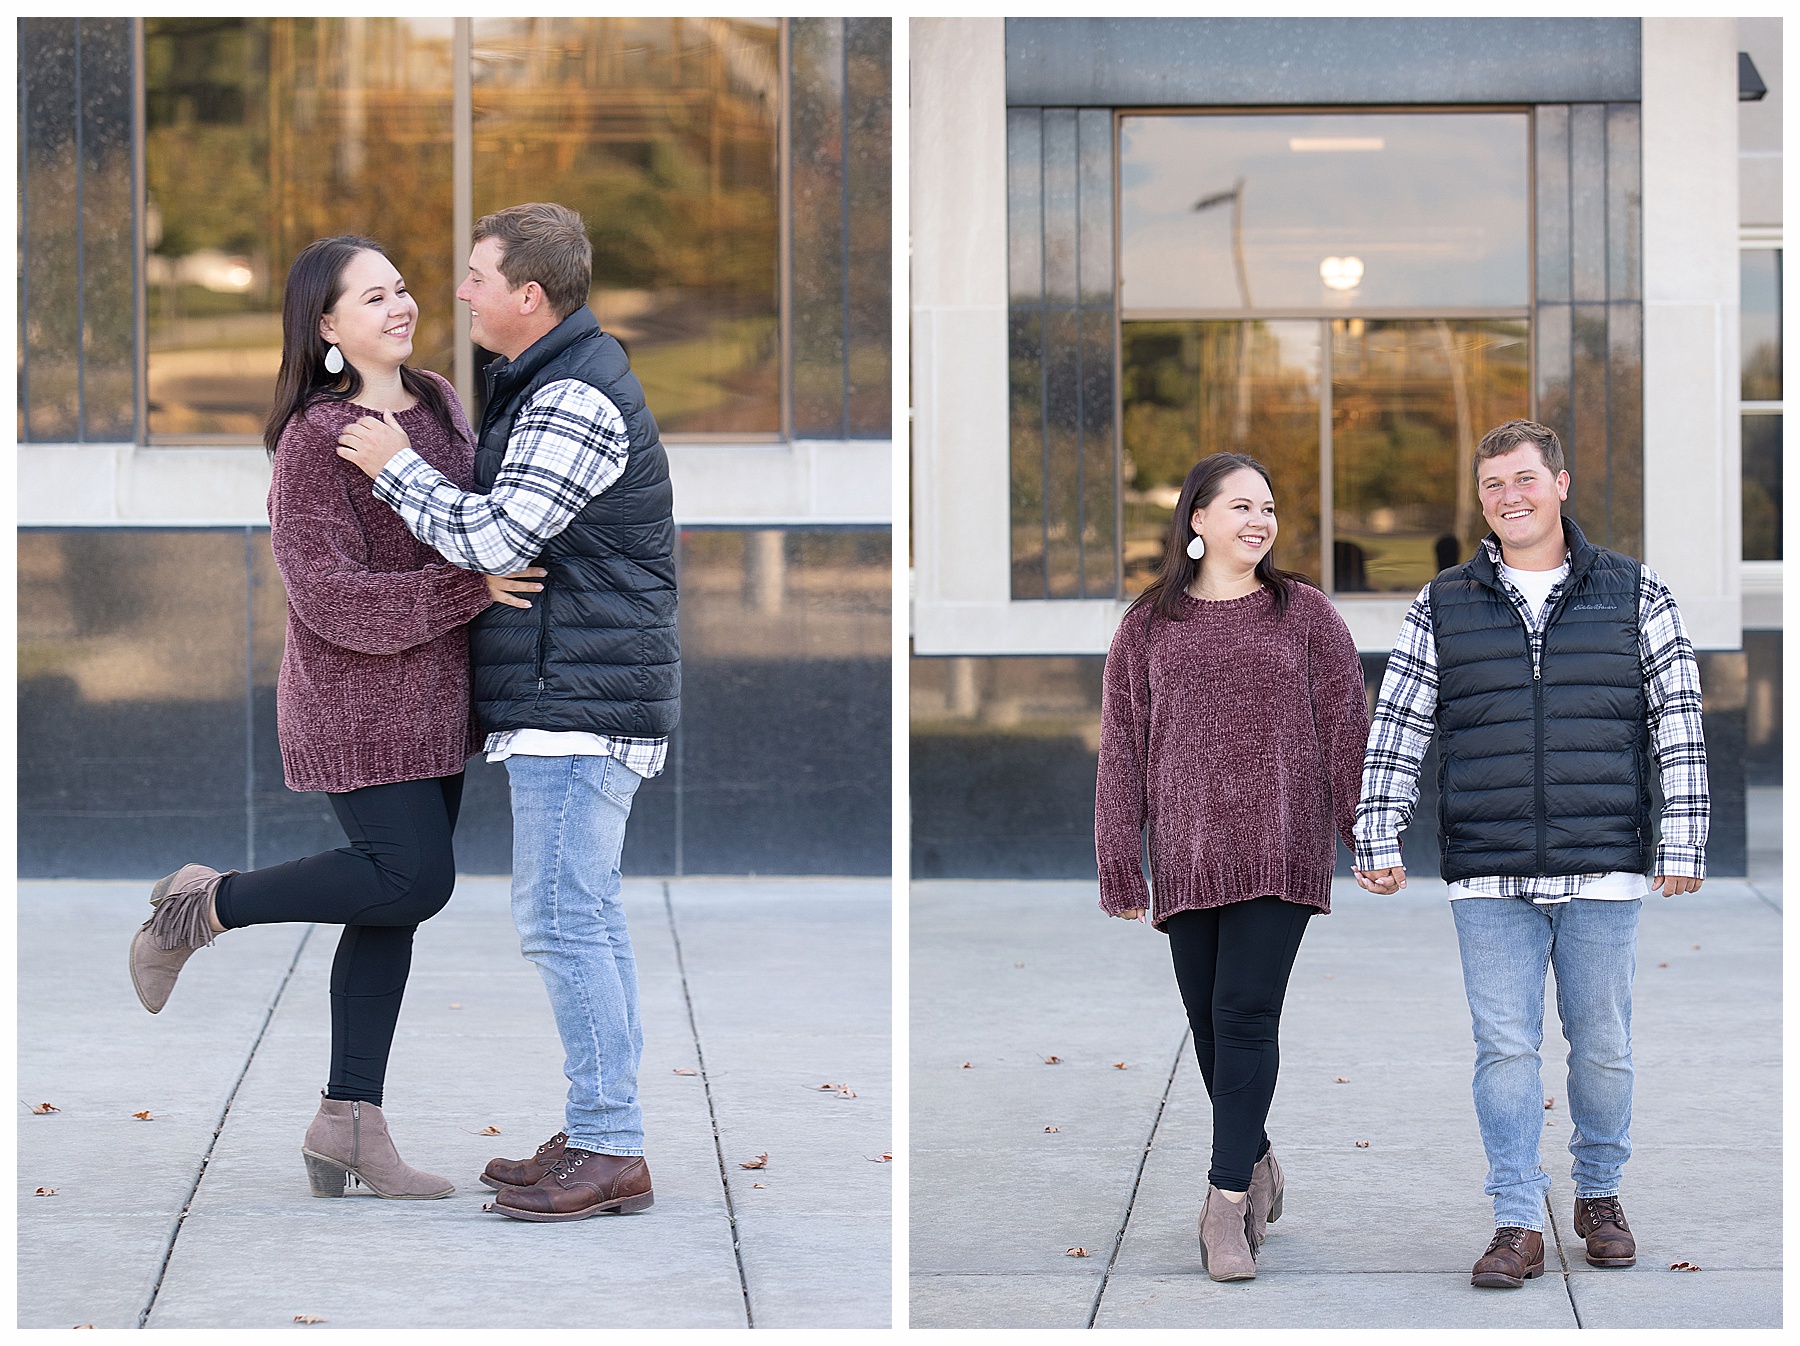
x,y
560,1138
1509,1237
567,1162
1606,1210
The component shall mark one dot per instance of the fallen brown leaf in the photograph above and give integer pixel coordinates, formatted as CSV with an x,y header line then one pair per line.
x,y
827,1088
311,1318
1053,1128
886,1158
488,1131
1696,948
967,1065
1342,1079
1331,976
683,1070
45,1191
454,1005
1120,1065
144,1116
1362,1144
1549,1102
756,1184
761,1161
1076,1252
43,1109
1022,965
1683,1266
1662,964
1053,1060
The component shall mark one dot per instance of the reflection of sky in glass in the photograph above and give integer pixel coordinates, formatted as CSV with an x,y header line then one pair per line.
x,y
1437,215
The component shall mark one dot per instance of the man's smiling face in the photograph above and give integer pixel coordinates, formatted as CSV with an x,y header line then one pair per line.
x,y
1520,497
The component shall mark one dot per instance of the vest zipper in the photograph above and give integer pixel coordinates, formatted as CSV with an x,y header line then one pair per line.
x,y
543,640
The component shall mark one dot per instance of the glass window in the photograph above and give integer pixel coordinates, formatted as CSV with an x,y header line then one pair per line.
x,y
1408,211
1760,310
662,134
262,135
1409,402
1762,487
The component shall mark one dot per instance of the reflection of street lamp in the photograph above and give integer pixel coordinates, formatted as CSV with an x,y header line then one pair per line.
x,y
1341,273
1236,197
1241,421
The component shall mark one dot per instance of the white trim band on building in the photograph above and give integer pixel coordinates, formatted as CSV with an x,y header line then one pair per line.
x,y
793,483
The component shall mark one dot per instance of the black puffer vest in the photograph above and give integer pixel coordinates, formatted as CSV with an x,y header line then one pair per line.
x,y
597,650
1542,771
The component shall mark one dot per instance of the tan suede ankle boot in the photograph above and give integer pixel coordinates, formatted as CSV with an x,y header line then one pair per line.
x,y
1224,1242
1266,1187
349,1137
181,920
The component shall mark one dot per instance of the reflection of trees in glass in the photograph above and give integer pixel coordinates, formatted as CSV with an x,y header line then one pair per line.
x,y
1408,401
1762,487
1187,393
662,134
262,135
1761,318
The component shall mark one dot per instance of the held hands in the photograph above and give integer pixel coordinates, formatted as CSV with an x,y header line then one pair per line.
x,y
501,588
370,443
1384,881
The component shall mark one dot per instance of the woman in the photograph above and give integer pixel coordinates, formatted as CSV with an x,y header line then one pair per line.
x,y
372,701
1232,726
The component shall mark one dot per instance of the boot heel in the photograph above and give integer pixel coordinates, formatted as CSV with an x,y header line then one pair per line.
x,y
327,1177
631,1205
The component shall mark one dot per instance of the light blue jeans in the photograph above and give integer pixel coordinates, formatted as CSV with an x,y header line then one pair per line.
x,y
569,817
1507,943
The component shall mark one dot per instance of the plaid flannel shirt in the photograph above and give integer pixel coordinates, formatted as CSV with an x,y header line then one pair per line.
x,y
568,444
1406,718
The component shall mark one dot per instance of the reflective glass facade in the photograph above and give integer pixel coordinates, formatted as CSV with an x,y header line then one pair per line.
x,y
1759,349
734,175
1352,298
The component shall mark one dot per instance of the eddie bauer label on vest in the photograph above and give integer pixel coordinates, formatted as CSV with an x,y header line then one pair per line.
x,y
1594,607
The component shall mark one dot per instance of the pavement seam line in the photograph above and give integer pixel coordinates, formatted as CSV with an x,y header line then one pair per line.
x,y
1137,1178
712,1113
1562,1255
1767,901
219,1126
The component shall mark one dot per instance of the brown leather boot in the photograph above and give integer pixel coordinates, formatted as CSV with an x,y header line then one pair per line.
x,y
180,922
350,1138
1514,1257
1224,1241
1266,1187
1601,1221
525,1172
579,1184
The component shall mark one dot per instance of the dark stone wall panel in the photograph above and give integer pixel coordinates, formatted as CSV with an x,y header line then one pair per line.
x,y
1329,61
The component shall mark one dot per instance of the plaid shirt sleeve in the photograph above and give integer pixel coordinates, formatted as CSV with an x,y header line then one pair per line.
x,y
1672,697
1399,735
568,445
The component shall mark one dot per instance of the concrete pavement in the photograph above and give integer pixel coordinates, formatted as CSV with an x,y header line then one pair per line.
x,y
1015,1162
754,993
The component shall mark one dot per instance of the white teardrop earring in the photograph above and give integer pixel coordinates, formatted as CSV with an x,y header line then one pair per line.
x,y
1197,548
334,360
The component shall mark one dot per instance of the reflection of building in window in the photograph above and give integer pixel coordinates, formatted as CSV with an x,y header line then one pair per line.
x,y
665,134
1348,297
1760,389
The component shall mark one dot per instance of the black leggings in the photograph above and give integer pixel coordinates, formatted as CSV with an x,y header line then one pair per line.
x,y
1232,964
397,871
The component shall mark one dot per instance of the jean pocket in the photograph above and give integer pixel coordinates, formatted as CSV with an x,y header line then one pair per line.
x,y
619,782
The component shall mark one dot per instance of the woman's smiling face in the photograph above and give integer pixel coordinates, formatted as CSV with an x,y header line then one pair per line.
x,y
374,318
1238,524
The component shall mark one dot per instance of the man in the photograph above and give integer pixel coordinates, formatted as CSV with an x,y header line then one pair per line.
x,y
1551,671
579,692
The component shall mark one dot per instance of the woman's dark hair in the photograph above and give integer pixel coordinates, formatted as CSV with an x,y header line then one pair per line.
x,y
1204,482
315,282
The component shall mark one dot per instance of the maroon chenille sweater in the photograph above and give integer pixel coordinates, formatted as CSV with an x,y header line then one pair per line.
x,y
374,684
1237,737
